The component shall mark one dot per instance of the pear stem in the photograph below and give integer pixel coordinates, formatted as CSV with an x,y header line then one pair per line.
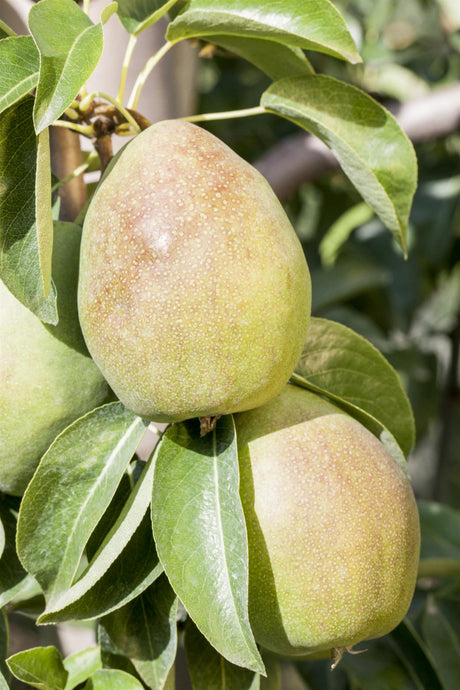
x,y
116,104
87,130
244,112
124,70
143,75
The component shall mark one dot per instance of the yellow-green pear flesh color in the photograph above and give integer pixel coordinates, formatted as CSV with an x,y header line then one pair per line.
x,y
332,524
47,378
194,294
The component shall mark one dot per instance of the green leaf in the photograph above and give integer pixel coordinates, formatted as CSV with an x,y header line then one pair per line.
x,y
40,667
145,631
209,670
107,679
2,537
70,47
138,15
338,362
341,230
200,533
43,209
111,656
12,574
115,575
318,27
415,655
368,142
276,60
19,244
69,492
108,11
440,543
378,668
81,665
4,672
443,642
20,60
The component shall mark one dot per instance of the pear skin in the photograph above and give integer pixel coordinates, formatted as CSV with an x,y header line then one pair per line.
x,y
194,293
47,378
332,523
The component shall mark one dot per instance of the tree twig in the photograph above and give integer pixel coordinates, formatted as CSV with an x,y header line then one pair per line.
x,y
302,158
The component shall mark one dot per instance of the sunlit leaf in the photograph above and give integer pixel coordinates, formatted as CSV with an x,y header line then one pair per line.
x,y
115,575
318,27
69,492
19,244
200,533
20,65
70,47
339,362
40,667
81,665
369,144
108,679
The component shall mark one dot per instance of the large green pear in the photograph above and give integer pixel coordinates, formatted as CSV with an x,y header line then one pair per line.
x,y
47,378
194,293
332,523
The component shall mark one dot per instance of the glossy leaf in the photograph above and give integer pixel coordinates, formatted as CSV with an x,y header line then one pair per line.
x,y
276,60
69,492
353,373
39,667
138,15
145,631
318,27
369,144
443,642
209,670
12,574
19,244
81,665
200,533
108,679
440,544
20,65
114,575
70,47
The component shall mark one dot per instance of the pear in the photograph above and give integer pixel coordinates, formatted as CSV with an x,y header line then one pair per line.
x,y
333,527
194,294
47,377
